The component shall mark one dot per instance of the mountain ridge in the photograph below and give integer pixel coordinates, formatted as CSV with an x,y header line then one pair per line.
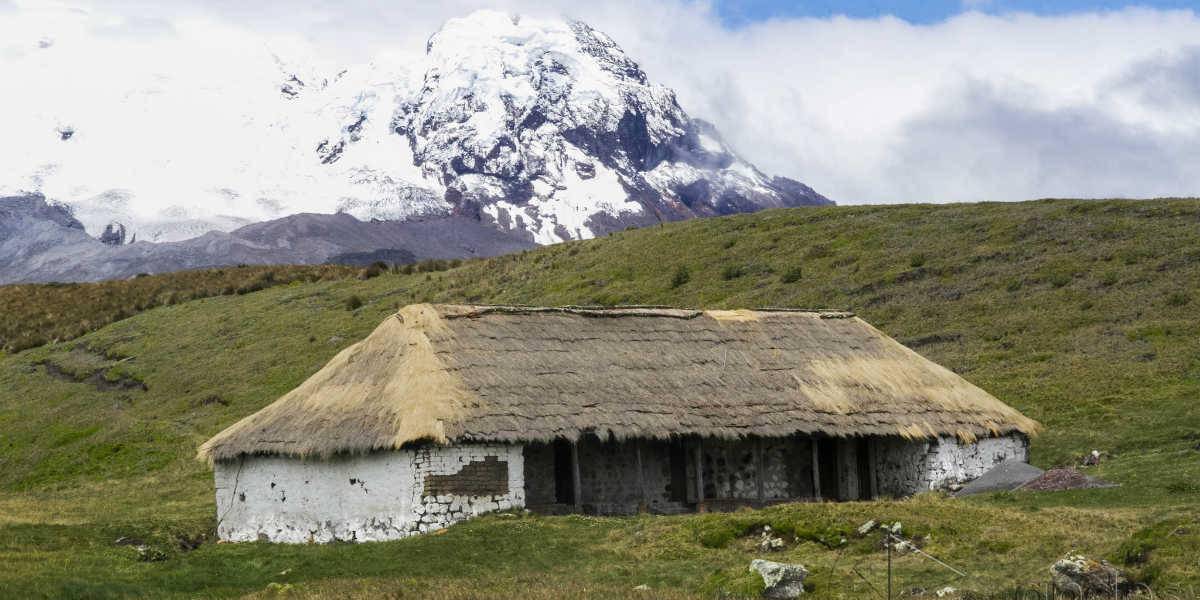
x,y
42,242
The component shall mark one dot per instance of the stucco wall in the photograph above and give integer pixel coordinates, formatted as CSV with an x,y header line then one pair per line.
x,y
378,496
905,467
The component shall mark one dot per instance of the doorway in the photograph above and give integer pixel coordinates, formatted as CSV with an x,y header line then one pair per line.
x,y
678,466
564,478
866,483
827,466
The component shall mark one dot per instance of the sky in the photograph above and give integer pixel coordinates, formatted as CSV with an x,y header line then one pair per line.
x,y
924,12
867,102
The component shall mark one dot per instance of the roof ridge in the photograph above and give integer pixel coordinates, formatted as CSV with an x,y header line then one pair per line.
x,y
624,310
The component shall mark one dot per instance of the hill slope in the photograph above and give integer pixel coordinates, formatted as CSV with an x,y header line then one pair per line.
x,y
1080,314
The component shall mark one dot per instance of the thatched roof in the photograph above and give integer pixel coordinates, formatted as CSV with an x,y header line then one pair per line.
x,y
446,373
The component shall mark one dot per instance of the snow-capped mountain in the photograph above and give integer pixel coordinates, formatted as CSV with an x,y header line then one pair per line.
x,y
541,128
548,127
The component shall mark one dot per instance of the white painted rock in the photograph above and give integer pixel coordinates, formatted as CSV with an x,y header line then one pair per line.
x,y
780,580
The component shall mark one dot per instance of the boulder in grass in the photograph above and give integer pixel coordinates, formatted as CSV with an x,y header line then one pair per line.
x,y
1080,577
1008,475
781,581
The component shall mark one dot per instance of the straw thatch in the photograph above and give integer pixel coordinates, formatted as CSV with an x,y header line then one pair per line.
x,y
447,373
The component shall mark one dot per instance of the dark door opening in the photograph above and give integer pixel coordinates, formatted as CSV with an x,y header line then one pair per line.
x,y
866,483
564,479
678,463
827,465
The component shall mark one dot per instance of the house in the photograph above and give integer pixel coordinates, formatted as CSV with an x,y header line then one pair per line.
x,y
445,412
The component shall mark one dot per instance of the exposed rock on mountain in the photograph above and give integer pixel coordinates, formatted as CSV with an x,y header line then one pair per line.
x,y
548,128
114,234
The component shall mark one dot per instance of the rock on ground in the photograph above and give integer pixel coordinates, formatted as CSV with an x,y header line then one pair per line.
x,y
780,580
1080,577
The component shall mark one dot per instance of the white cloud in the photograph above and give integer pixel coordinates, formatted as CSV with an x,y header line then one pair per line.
x,y
979,107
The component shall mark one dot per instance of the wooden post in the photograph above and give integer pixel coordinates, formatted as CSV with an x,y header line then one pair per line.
x,y
889,551
725,453
758,470
816,468
699,476
641,478
872,453
576,480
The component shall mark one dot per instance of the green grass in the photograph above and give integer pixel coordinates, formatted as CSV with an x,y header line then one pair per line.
x,y
1080,314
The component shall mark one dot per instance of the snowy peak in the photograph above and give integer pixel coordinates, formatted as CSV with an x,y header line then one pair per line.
x,y
541,128
549,127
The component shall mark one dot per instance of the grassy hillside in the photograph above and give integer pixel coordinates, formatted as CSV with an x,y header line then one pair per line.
x,y
1081,314
32,315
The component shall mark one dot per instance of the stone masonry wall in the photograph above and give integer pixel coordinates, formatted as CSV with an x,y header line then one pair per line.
x,y
378,496
609,475
459,482
730,465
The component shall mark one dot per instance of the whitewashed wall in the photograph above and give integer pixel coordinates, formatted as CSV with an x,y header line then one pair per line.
x,y
906,467
373,497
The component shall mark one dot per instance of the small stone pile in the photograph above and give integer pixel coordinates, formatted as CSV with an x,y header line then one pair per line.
x,y
1064,479
768,541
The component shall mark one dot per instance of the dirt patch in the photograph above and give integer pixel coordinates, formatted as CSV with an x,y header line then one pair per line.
x,y
211,400
929,340
1064,479
187,543
97,378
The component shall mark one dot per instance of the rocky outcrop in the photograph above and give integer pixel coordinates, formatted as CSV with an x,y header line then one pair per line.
x,y
113,235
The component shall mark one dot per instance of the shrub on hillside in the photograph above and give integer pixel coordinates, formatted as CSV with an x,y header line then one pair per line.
x,y
1178,299
682,276
375,269
791,275
732,272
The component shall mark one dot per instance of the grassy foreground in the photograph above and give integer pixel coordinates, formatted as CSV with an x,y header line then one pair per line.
x,y
1080,314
